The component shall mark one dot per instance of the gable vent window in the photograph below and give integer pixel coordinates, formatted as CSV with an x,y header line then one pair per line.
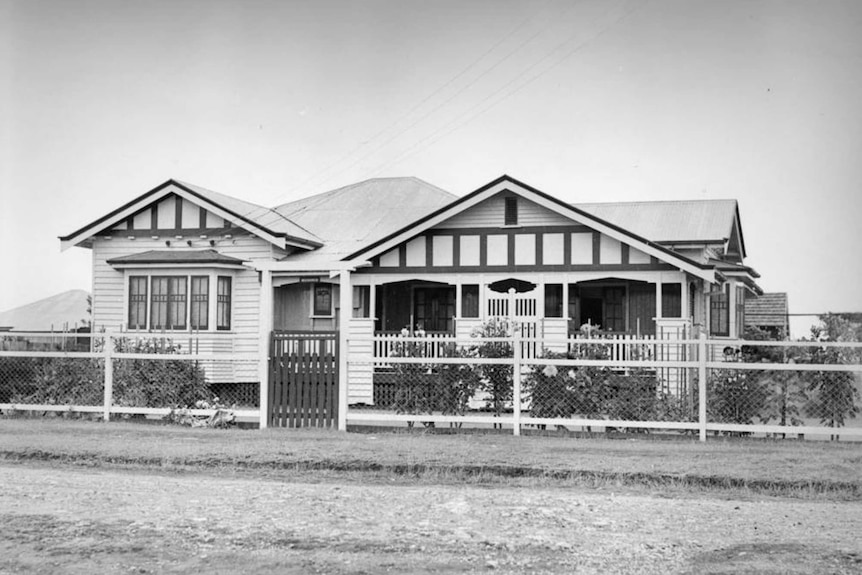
x,y
510,217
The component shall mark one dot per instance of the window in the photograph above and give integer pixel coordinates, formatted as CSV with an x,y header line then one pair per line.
x,y
138,302
223,303
178,302
361,301
200,302
671,300
168,309
615,319
470,300
322,300
719,312
510,217
553,300
740,311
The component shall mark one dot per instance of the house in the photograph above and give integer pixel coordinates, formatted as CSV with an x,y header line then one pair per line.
x,y
768,312
401,253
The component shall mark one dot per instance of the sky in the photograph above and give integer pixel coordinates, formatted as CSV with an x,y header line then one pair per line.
x,y
101,101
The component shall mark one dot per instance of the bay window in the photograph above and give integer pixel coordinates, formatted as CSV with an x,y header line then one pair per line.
x,y
178,302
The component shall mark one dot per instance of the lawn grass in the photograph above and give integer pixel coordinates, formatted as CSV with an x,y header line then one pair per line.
x,y
789,467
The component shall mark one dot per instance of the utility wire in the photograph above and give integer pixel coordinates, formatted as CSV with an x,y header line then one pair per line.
x,y
464,119
463,89
521,25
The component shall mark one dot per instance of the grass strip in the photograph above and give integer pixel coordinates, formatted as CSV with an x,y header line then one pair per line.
x,y
834,490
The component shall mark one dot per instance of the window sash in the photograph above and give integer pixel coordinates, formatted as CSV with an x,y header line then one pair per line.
x,y
138,302
719,313
200,302
553,300
223,303
322,296
168,302
470,300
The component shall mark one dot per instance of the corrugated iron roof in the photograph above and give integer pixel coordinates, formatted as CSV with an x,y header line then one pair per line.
x,y
670,221
769,309
348,218
266,218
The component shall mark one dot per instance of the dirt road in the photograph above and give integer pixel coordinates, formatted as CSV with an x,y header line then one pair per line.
x,y
73,520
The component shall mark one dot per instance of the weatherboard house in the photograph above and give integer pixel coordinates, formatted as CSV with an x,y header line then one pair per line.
x,y
389,254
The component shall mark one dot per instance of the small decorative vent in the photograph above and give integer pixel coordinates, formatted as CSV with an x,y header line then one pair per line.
x,y
510,217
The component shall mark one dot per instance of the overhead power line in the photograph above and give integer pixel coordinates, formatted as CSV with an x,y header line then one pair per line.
x,y
477,110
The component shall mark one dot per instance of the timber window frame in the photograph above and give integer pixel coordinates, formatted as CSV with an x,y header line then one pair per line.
x,y
322,300
138,302
719,313
224,304
163,301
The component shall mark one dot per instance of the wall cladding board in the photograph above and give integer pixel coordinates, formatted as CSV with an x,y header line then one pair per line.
x,y
491,212
582,248
553,249
416,251
525,249
443,251
610,251
498,250
470,251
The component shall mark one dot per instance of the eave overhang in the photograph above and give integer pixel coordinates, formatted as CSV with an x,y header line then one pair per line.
x,y
83,235
507,183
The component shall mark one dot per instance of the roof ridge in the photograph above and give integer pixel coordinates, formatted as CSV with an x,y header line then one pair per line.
x,y
311,201
635,202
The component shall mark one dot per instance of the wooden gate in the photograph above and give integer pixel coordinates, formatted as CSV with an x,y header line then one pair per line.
x,y
303,379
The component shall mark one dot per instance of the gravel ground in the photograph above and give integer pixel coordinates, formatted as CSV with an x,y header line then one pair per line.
x,y
75,520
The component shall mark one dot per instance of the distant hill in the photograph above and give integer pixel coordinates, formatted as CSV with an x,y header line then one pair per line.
x,y
64,310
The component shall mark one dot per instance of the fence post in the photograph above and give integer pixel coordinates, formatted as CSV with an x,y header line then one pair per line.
x,y
516,381
701,388
108,352
516,366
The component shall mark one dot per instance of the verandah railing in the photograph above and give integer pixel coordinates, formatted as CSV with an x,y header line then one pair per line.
x,y
620,346
584,383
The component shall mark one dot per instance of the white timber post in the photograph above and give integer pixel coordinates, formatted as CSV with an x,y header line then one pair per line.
x,y
345,296
658,310
701,387
109,375
516,367
266,325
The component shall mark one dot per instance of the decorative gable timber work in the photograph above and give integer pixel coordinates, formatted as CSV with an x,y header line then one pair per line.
x,y
176,208
563,238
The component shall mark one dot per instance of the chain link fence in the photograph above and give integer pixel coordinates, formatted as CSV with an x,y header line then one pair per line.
x,y
137,374
635,385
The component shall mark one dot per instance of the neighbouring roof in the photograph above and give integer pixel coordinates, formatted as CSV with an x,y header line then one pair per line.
x,y
176,257
769,309
700,221
66,310
349,218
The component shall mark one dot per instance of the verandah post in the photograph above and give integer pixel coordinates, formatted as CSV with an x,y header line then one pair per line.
x,y
701,387
264,336
109,376
345,296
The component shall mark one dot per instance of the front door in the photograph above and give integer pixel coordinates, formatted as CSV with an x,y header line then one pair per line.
x,y
434,308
